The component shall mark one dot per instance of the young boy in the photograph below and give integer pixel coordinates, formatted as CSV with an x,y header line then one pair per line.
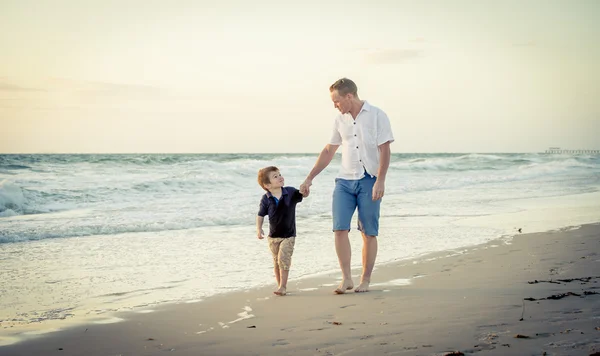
x,y
280,204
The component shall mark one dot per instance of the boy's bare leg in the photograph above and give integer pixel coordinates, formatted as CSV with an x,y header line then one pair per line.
x,y
344,252
369,253
283,284
277,275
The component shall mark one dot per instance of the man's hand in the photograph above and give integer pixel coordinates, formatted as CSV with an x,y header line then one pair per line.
x,y
305,188
260,234
378,189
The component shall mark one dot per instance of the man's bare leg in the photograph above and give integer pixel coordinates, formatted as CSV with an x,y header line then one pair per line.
x,y
343,250
283,282
369,253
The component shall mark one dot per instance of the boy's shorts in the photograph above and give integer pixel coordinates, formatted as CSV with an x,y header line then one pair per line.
x,y
350,194
282,250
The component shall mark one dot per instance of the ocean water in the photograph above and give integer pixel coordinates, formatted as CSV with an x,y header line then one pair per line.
x,y
85,235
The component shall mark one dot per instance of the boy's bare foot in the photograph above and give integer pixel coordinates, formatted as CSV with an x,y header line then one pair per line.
x,y
363,287
344,286
281,291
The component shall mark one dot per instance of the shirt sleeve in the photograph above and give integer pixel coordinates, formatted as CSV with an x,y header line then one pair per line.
x,y
336,138
384,129
263,207
297,197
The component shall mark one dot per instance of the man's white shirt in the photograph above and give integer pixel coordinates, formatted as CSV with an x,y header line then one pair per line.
x,y
360,139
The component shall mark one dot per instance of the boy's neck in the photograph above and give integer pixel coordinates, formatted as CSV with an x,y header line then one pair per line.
x,y
275,192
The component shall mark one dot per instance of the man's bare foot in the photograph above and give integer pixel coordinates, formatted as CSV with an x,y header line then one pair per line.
x,y
281,291
344,286
363,287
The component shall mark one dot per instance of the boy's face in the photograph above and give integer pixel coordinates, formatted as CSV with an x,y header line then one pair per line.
x,y
276,180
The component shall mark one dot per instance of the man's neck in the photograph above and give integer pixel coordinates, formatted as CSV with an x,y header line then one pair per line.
x,y
356,107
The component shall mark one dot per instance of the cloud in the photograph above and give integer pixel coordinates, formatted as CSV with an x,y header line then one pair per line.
x,y
525,44
68,94
392,56
80,86
98,87
11,87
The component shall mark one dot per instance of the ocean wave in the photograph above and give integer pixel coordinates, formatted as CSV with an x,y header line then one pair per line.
x,y
13,166
28,160
7,213
88,227
82,195
567,164
453,163
15,200
482,156
12,200
489,162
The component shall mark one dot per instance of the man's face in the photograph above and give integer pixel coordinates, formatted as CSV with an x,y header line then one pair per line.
x,y
276,180
342,103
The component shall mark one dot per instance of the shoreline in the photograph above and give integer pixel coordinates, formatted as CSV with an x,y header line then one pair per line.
x,y
33,330
59,282
220,323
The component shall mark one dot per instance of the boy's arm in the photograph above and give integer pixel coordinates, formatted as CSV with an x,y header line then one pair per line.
x,y
323,161
298,196
259,223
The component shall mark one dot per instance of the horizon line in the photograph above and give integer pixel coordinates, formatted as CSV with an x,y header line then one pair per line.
x,y
261,153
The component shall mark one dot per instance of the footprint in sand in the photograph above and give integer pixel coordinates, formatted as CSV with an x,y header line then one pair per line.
x,y
243,315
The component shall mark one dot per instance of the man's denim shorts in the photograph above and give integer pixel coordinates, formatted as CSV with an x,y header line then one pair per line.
x,y
350,194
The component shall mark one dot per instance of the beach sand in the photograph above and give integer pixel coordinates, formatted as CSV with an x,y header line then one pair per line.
x,y
471,301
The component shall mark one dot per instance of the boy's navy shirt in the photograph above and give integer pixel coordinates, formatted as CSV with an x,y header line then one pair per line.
x,y
282,216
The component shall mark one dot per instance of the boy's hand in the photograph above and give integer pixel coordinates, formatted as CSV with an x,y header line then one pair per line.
x,y
260,234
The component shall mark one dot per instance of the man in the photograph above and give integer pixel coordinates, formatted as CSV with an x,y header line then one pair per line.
x,y
365,134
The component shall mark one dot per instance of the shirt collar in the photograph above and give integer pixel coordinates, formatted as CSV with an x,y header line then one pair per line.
x,y
366,106
283,192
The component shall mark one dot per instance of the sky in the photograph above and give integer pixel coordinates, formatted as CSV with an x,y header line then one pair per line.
x,y
225,76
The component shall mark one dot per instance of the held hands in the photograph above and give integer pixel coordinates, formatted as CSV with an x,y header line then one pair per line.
x,y
378,189
260,234
305,187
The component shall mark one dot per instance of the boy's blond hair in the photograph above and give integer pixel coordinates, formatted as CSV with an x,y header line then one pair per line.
x,y
263,176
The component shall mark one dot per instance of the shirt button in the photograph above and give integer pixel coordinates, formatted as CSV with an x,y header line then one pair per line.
x,y
354,135
356,146
355,123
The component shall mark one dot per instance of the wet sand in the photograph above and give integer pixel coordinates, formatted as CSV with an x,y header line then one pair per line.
x,y
537,293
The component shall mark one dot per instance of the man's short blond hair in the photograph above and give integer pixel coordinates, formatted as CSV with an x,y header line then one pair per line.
x,y
344,86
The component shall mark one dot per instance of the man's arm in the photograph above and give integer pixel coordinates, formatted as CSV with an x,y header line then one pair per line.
x,y
384,164
259,223
323,161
